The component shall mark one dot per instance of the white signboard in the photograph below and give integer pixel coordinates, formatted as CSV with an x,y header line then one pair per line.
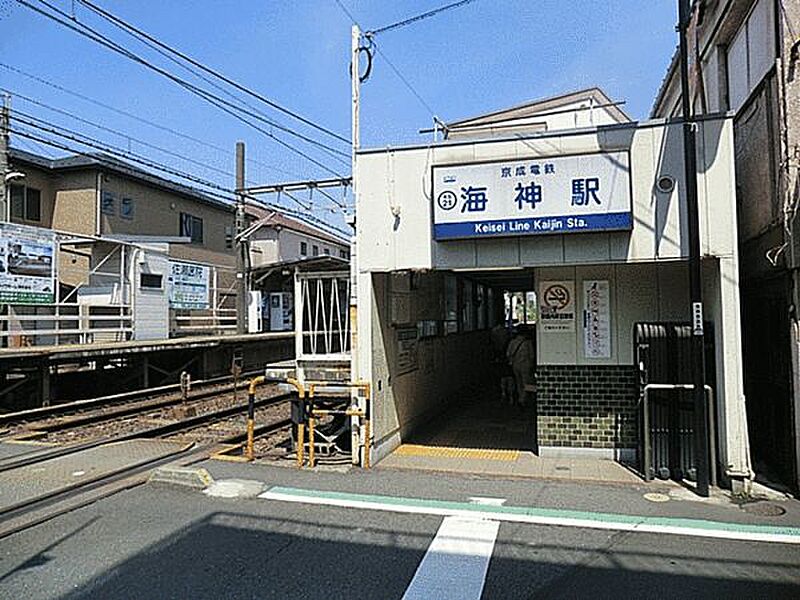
x,y
188,285
563,194
596,319
557,306
27,265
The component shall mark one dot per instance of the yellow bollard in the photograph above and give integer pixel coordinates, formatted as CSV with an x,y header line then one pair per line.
x,y
301,430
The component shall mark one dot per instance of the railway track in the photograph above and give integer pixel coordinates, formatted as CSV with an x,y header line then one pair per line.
x,y
93,409
45,506
158,431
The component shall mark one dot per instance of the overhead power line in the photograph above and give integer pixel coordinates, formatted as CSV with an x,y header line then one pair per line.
x,y
91,142
225,194
180,59
224,105
49,127
420,17
121,23
117,132
139,119
397,72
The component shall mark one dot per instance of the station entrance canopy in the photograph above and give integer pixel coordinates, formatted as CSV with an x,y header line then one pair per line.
x,y
592,219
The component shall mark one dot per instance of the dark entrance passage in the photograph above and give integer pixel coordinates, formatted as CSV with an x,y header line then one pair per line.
x,y
767,379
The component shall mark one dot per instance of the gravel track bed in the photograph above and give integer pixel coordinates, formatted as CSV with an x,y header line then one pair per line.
x,y
149,419
234,425
110,409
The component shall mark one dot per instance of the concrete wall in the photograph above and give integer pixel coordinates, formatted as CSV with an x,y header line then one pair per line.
x,y
449,368
157,212
76,203
387,242
639,292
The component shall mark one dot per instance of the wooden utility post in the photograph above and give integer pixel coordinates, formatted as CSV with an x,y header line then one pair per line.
x,y
242,257
5,209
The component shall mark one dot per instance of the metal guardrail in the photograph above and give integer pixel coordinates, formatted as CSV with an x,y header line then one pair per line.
x,y
712,434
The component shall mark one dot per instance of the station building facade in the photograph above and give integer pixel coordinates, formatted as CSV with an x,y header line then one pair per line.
x,y
593,220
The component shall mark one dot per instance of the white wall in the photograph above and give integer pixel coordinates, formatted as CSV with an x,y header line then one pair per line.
x,y
150,306
271,246
400,180
639,292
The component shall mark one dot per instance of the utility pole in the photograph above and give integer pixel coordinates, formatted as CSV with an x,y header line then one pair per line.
x,y
355,371
242,257
5,209
695,274
355,90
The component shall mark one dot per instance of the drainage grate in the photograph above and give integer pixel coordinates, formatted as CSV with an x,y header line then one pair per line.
x,y
764,509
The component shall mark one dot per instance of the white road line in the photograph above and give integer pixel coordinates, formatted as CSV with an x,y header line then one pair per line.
x,y
455,565
534,516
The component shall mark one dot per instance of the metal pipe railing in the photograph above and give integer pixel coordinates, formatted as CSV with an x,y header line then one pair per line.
x,y
709,393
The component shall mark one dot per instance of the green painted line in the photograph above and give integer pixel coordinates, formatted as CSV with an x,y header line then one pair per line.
x,y
483,509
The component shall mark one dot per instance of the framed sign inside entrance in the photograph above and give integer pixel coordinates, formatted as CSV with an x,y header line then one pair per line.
x,y
532,196
557,306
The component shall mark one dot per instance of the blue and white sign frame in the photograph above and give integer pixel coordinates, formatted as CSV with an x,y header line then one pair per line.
x,y
532,196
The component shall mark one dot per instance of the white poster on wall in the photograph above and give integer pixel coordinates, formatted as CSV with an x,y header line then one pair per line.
x,y
596,319
557,306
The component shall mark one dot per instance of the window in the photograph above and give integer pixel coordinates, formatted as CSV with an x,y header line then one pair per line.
x,y
327,251
18,201
229,238
126,208
303,249
191,227
26,203
315,250
150,281
344,254
107,203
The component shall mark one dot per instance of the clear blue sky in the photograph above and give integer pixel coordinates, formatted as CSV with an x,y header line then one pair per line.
x,y
485,56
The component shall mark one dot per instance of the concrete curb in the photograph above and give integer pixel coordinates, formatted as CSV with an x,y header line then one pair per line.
x,y
193,477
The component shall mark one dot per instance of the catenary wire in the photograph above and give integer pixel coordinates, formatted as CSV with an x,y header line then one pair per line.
x,y
116,132
417,18
53,129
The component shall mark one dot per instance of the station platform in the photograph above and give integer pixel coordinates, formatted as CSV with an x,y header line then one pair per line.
x,y
112,349
485,437
42,375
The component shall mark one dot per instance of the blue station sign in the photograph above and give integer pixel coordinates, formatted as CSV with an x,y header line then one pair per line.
x,y
533,196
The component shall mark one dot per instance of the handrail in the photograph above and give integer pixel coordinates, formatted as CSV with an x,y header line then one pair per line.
x,y
646,425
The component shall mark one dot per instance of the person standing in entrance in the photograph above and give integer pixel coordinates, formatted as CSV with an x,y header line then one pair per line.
x,y
520,357
500,338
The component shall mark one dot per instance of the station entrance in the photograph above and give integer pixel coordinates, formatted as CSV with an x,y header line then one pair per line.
x,y
465,389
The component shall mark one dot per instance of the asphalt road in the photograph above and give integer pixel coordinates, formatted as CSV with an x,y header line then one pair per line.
x,y
162,542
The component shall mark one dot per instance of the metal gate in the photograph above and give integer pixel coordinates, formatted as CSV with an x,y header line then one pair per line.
x,y
666,440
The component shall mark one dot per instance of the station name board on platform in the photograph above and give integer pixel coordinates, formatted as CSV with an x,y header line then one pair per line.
x,y
534,196
188,285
